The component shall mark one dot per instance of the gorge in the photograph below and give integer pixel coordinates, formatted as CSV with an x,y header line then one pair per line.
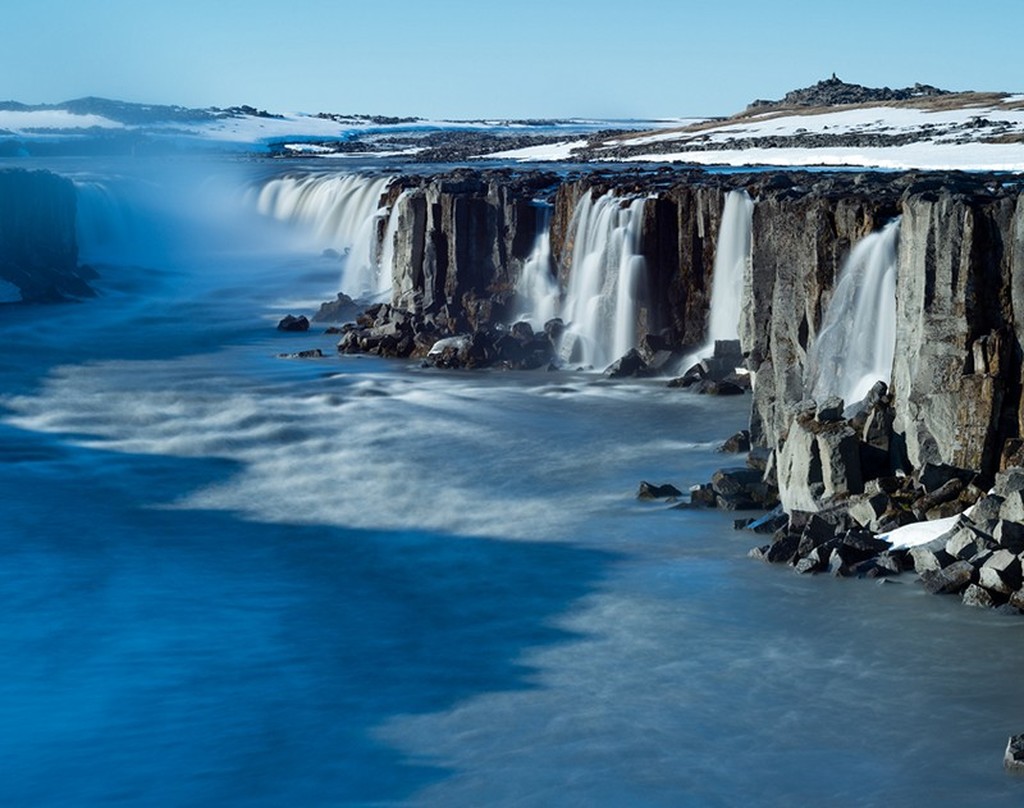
x,y
428,568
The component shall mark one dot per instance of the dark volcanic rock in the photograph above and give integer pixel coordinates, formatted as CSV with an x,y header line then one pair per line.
x,y
631,364
834,92
649,491
341,310
292,323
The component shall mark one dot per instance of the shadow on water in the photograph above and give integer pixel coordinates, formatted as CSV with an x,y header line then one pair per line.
x,y
157,656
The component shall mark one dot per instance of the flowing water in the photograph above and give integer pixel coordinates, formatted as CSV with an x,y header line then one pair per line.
x,y
537,288
231,578
854,349
606,280
732,261
340,213
732,264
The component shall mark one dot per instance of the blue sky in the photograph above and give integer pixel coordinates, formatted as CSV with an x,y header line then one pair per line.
x,y
463,58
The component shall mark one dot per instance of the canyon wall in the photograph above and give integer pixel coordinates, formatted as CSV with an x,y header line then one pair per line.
x,y
457,243
38,250
461,240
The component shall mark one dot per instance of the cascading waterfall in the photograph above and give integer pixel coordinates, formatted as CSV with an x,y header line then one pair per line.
x,y
605,285
340,212
537,288
858,335
732,256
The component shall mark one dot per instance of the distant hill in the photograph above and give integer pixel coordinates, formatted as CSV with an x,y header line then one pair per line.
x,y
835,92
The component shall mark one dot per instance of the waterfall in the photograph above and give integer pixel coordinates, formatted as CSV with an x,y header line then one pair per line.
x,y
605,284
537,288
339,212
732,258
732,255
858,336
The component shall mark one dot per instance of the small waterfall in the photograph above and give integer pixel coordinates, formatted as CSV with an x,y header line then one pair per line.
x,y
732,256
537,288
340,212
605,285
858,336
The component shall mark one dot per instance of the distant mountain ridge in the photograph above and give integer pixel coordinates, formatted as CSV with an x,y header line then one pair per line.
x,y
134,114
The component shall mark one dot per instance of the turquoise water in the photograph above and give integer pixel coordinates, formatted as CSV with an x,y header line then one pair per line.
x,y
234,579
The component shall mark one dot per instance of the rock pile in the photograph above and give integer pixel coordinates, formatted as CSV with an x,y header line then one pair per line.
x,y
978,557
834,92
717,374
441,341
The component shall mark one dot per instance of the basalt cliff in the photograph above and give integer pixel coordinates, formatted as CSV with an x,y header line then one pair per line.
x,y
462,241
927,439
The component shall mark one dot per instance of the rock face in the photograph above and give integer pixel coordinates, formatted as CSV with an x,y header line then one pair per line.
x,y
460,241
801,235
960,319
38,251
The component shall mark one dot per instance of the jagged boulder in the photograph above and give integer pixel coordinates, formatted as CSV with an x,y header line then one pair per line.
x,y
292,323
650,491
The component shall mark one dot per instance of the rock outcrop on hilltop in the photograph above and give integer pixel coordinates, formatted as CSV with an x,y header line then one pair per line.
x,y
38,248
834,91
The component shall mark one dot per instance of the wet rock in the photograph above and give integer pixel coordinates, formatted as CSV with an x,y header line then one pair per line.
x,y
740,442
703,496
783,549
712,388
312,353
1013,759
950,580
340,310
631,364
649,491
734,481
292,323
978,597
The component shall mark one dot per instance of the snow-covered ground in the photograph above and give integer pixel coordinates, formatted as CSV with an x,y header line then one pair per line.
x,y
976,132
969,132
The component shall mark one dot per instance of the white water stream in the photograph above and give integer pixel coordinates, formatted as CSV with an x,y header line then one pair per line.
x,y
854,349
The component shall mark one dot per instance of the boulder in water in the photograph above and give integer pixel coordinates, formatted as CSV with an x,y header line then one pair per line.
x,y
650,491
339,310
293,323
630,364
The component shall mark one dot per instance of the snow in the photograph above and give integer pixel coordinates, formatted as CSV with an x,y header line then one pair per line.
x,y
549,151
926,155
18,121
918,533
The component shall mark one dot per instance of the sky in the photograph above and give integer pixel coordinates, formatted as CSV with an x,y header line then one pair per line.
x,y
474,58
